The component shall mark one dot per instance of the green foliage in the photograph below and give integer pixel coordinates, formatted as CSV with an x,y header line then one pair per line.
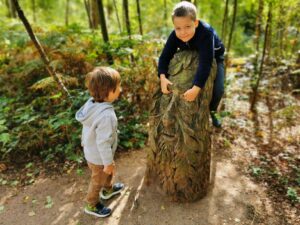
x,y
37,120
292,195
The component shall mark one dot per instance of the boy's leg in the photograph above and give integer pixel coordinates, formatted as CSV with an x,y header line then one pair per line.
x,y
111,190
98,180
218,91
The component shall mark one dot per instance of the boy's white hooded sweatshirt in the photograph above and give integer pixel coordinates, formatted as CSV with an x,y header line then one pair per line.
x,y
99,133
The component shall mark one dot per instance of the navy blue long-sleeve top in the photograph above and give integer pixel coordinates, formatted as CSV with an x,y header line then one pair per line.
x,y
205,41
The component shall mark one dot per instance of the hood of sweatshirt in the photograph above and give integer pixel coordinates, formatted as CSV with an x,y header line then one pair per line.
x,y
90,111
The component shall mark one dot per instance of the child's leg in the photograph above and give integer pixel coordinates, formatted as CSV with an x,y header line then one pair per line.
x,y
98,180
218,89
108,182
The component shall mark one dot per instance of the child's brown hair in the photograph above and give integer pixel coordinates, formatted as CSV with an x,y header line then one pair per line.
x,y
183,9
101,81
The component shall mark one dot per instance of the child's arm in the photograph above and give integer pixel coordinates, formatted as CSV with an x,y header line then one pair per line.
x,y
206,55
164,82
104,141
164,60
110,169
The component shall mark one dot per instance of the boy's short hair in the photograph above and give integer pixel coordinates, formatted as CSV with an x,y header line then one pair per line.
x,y
183,9
101,81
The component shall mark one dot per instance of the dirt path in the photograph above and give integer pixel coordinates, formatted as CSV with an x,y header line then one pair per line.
x,y
233,199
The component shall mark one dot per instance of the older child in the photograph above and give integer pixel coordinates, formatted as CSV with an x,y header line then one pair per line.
x,y
99,137
192,34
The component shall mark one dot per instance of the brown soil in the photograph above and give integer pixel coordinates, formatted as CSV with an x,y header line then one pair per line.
x,y
233,199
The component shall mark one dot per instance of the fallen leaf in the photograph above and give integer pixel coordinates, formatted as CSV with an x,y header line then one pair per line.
x,y
1,208
32,213
49,202
3,167
25,199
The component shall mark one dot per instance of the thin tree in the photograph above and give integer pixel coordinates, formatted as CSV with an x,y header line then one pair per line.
x,y
117,15
231,33
87,8
33,10
260,75
127,20
67,12
165,13
104,28
39,47
258,28
195,3
138,8
224,23
11,9
258,24
94,12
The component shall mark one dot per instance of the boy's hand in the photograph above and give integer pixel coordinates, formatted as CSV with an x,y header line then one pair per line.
x,y
191,94
164,82
109,169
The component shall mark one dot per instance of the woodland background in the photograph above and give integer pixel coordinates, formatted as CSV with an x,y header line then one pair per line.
x,y
37,124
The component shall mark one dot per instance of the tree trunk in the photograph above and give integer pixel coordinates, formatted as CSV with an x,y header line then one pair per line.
x,y
11,8
224,23
260,75
33,10
139,16
179,135
8,8
94,13
39,47
269,37
195,3
258,24
87,8
127,20
104,29
165,13
67,12
117,15
231,33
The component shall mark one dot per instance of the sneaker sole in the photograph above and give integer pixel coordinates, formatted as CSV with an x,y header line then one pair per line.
x,y
95,214
111,195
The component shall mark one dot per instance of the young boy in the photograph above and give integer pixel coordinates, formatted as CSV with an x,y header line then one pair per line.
x,y
192,34
99,137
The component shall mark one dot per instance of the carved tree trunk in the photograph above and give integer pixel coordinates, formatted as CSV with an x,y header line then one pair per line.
x,y
179,137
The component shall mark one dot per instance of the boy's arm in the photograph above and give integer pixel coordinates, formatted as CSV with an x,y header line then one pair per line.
x,y
206,56
104,140
167,54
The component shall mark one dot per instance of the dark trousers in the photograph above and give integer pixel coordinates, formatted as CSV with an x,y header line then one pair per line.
x,y
218,89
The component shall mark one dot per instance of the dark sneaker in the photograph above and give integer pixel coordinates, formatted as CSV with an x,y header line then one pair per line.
x,y
99,210
116,189
215,119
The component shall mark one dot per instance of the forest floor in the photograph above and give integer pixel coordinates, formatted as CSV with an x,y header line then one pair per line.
x,y
234,196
